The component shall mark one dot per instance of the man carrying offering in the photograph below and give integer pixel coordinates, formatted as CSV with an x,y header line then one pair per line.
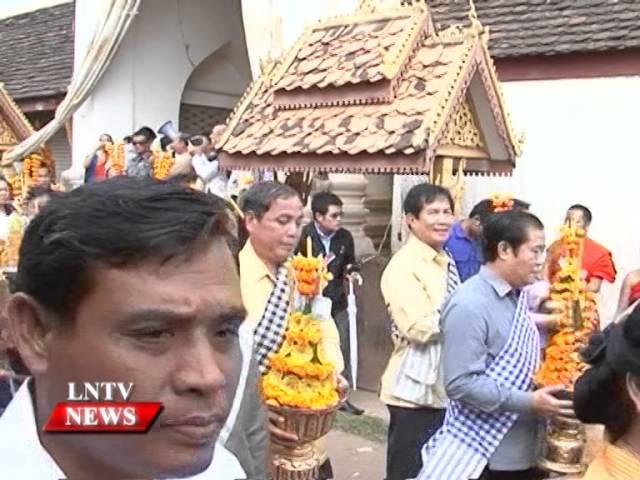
x,y
490,353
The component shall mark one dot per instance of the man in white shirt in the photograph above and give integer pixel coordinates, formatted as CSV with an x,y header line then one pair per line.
x,y
126,280
206,165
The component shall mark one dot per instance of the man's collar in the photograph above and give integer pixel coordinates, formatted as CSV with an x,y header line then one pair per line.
x,y
321,233
427,252
253,265
498,283
458,230
21,453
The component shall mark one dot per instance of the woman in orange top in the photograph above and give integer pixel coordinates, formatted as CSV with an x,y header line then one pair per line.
x,y
609,394
597,261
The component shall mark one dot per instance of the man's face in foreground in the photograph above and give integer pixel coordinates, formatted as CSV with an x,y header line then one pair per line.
x,y
171,329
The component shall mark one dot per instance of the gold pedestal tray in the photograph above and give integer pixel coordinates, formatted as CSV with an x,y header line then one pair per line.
x,y
563,447
300,462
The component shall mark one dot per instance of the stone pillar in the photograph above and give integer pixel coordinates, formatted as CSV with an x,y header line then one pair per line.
x,y
379,196
351,190
401,185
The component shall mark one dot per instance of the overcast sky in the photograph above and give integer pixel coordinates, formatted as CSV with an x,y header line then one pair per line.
x,y
14,7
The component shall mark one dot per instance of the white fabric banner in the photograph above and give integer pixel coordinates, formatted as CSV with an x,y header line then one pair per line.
x,y
103,47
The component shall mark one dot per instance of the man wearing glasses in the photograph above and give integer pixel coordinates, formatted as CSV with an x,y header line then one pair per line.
x,y
329,239
141,164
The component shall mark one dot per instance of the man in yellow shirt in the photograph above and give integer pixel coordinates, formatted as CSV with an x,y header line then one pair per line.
x,y
273,219
414,286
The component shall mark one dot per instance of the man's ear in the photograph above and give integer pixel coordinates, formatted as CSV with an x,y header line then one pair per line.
x,y
634,390
250,220
410,219
28,330
504,250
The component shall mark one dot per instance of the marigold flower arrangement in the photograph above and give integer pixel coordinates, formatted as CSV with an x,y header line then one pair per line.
x,y
300,376
115,157
162,163
10,248
501,203
562,364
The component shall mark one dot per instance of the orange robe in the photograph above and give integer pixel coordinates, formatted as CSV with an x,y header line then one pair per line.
x,y
597,261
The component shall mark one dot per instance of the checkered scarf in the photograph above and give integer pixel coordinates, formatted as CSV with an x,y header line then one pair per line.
x,y
420,366
461,449
269,332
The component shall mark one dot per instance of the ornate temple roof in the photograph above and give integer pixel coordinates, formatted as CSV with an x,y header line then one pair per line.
x,y
375,92
36,51
14,126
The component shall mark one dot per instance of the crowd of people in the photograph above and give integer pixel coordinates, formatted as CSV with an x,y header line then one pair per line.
x,y
200,303
194,160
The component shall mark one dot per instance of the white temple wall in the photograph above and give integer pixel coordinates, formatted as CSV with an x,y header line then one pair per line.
x,y
145,82
580,147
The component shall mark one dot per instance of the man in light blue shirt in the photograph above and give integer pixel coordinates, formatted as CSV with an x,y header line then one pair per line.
x,y
476,324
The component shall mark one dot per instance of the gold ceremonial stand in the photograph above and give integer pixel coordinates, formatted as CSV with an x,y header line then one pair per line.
x,y
300,462
563,447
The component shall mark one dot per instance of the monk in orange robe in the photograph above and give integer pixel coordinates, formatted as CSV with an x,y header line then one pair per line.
x,y
597,261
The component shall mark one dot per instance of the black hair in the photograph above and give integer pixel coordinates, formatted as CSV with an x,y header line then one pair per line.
x,y
321,202
118,222
424,194
520,204
600,394
260,196
164,143
482,209
128,139
198,140
586,213
511,227
182,178
146,132
183,137
37,191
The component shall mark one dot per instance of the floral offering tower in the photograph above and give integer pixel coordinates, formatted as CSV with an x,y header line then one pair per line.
x,y
565,440
300,384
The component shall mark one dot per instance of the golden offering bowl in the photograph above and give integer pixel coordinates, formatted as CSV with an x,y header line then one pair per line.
x,y
300,462
307,424
564,444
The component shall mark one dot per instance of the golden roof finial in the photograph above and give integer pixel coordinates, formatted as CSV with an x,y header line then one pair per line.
x,y
473,16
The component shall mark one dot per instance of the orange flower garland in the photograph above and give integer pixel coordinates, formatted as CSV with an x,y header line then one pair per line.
x,y
162,163
562,364
501,203
115,157
10,249
300,376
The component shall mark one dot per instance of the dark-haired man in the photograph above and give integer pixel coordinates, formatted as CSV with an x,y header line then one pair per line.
x,y
141,164
414,285
597,261
335,243
463,242
273,219
149,294
490,352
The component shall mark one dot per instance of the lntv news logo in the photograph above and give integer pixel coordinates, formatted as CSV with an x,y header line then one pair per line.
x,y
101,407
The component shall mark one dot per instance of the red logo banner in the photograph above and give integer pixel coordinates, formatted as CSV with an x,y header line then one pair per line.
x,y
102,416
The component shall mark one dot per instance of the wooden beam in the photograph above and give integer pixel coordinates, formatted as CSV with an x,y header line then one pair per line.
x,y
461,152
